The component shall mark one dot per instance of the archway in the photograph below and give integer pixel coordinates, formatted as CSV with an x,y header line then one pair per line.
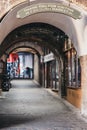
x,y
69,25
61,20
41,36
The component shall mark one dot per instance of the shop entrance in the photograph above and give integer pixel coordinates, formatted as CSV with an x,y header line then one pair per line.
x,y
53,75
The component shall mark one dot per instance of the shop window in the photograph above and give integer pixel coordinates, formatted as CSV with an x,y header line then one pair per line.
x,y
72,69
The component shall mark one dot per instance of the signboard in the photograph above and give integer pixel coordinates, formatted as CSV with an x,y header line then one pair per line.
x,y
48,7
49,57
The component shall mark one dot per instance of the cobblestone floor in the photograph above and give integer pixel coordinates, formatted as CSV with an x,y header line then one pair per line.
x,y
29,107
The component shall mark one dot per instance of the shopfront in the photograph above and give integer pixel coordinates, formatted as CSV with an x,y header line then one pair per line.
x,y
51,72
72,74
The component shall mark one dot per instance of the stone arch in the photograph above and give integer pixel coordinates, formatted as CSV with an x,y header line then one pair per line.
x,y
27,45
61,21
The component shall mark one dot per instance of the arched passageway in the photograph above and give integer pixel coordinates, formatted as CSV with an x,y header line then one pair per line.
x,y
38,36
54,56
43,29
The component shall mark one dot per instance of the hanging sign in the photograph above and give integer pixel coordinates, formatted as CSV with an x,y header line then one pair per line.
x,y
48,7
49,57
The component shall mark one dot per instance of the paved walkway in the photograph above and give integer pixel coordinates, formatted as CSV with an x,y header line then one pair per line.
x,y
27,106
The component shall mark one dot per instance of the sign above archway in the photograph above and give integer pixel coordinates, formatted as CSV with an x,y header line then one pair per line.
x,y
48,7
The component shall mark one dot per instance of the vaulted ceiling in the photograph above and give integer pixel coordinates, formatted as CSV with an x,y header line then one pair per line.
x,y
40,34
